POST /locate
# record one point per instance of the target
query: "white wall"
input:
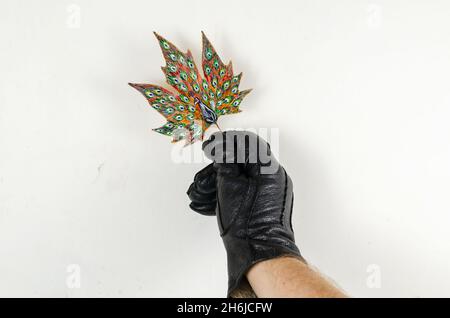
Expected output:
(359, 91)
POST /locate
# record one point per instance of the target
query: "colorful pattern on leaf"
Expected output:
(198, 102)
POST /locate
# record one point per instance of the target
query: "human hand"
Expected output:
(252, 197)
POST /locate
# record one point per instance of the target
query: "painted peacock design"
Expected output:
(199, 101)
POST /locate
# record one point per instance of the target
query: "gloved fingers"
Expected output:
(228, 146)
(204, 209)
(228, 169)
(239, 147)
(205, 179)
(196, 195)
(202, 192)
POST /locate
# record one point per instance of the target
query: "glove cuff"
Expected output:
(245, 254)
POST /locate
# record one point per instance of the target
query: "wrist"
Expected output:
(244, 253)
(289, 276)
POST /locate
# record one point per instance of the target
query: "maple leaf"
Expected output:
(198, 101)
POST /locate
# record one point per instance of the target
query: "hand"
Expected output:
(251, 194)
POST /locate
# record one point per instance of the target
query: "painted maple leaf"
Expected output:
(199, 101)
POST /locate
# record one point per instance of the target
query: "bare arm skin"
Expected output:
(289, 277)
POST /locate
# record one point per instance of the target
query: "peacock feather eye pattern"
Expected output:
(197, 97)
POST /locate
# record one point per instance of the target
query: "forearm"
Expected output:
(289, 277)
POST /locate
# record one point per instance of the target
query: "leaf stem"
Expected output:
(218, 126)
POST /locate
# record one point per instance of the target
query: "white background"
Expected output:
(359, 91)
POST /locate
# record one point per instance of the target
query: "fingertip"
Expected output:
(213, 137)
(209, 146)
(205, 173)
(203, 209)
(191, 187)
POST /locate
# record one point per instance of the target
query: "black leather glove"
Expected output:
(251, 194)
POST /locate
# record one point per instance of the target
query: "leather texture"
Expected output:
(253, 209)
